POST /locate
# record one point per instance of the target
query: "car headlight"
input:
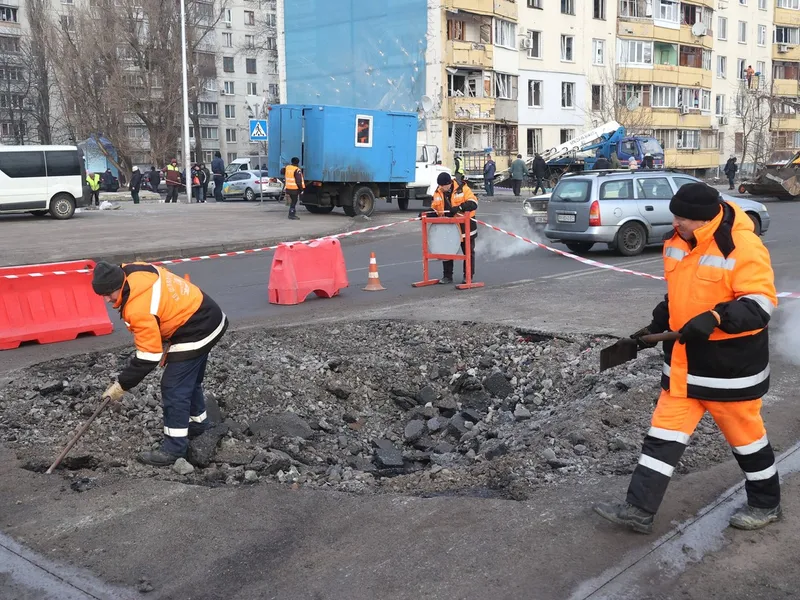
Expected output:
(526, 206)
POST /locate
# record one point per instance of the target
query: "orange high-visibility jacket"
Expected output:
(294, 178)
(728, 270)
(158, 306)
(461, 194)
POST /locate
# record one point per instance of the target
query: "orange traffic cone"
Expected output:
(374, 281)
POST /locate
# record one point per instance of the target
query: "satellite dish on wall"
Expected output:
(426, 104)
(699, 29)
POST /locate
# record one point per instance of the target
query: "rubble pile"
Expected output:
(373, 406)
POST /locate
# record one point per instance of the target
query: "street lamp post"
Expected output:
(185, 70)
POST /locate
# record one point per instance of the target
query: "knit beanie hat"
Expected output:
(107, 278)
(444, 179)
(696, 201)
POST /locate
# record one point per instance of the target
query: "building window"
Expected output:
(793, 4)
(249, 41)
(230, 135)
(230, 111)
(534, 44)
(707, 60)
(208, 109)
(666, 137)
(252, 88)
(227, 64)
(598, 52)
(9, 43)
(599, 9)
(635, 52)
(535, 93)
(11, 74)
(456, 30)
(535, 3)
(232, 156)
(229, 88)
(669, 10)
(568, 7)
(227, 16)
(786, 70)
(567, 48)
(227, 40)
(741, 68)
(722, 66)
(505, 34)
(722, 28)
(719, 105)
(742, 32)
(15, 130)
(567, 135)
(249, 17)
(761, 68)
(534, 141)
(597, 97)
(273, 90)
(567, 94)
(505, 86)
(631, 8)
(67, 22)
(705, 100)
(250, 66)
(209, 133)
(665, 97)
(688, 139)
(8, 13)
(762, 4)
(633, 95)
(689, 98)
(762, 35)
(787, 35)
(691, 56)
(12, 101)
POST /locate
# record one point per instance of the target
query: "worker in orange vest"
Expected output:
(450, 199)
(295, 184)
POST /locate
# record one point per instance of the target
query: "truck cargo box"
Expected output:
(337, 144)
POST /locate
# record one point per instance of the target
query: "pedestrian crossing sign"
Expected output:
(258, 130)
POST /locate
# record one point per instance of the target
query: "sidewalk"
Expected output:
(153, 231)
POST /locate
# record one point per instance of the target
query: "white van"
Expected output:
(41, 179)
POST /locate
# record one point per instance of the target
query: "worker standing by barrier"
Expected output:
(295, 184)
(449, 200)
(159, 307)
(720, 296)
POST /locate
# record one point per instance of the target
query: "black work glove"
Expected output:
(640, 343)
(453, 212)
(699, 328)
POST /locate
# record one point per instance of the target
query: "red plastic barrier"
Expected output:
(300, 269)
(50, 308)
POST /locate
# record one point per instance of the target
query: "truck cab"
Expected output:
(427, 171)
(637, 147)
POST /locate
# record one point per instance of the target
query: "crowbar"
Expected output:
(78, 435)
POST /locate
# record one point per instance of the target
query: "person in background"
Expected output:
(489, 170)
(633, 164)
(136, 184)
(218, 172)
(295, 184)
(154, 178)
(748, 75)
(602, 163)
(615, 162)
(173, 177)
(519, 170)
(647, 162)
(93, 181)
(540, 172)
(197, 183)
(206, 179)
(730, 171)
(459, 170)
(448, 201)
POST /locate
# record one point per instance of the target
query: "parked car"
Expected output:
(626, 210)
(249, 184)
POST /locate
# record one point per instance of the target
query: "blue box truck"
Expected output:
(351, 156)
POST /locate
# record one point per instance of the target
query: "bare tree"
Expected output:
(626, 103)
(754, 107)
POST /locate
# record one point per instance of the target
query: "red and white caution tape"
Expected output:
(227, 254)
(599, 265)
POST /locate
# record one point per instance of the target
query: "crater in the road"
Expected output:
(374, 406)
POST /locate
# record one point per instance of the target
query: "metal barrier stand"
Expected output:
(464, 222)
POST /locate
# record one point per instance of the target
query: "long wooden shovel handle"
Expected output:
(654, 338)
(78, 435)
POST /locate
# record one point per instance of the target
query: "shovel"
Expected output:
(627, 349)
(78, 435)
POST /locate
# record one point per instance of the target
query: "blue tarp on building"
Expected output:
(359, 53)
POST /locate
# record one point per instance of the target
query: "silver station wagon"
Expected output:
(628, 210)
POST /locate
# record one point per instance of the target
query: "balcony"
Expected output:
(786, 87)
(785, 122)
(792, 52)
(469, 54)
(472, 109)
(506, 9)
(666, 75)
(671, 118)
(787, 16)
(692, 159)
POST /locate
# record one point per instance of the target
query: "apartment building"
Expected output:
(237, 66)
(785, 55)
(566, 66)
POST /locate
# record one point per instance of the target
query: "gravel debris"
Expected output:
(365, 407)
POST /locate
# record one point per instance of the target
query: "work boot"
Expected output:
(157, 458)
(749, 517)
(294, 218)
(625, 514)
(446, 280)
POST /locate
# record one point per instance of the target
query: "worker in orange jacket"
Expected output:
(172, 322)
(449, 200)
(720, 296)
(295, 184)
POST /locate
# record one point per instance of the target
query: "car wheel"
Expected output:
(631, 239)
(756, 223)
(62, 206)
(249, 195)
(579, 247)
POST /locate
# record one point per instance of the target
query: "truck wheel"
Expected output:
(363, 203)
(402, 203)
(742, 189)
(318, 210)
(62, 206)
(631, 239)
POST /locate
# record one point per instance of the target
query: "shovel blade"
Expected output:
(618, 353)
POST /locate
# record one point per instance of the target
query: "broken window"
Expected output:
(786, 70)
(567, 135)
(505, 86)
(691, 56)
(567, 47)
(567, 94)
(535, 93)
(456, 30)
(534, 141)
(597, 97)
